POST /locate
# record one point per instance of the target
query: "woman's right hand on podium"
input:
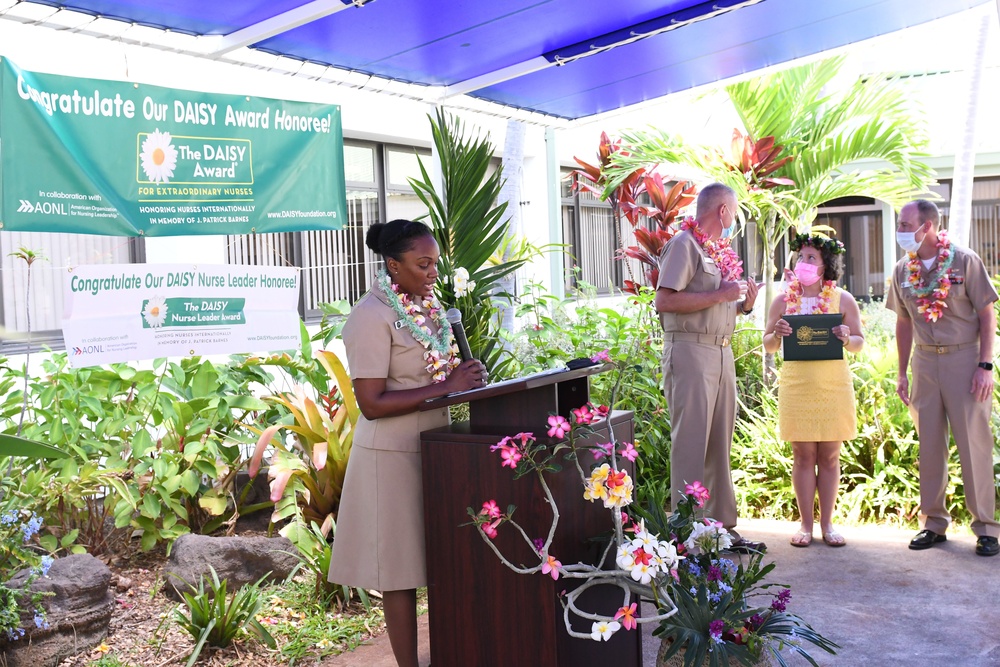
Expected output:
(468, 375)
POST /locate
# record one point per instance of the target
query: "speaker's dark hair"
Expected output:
(392, 239)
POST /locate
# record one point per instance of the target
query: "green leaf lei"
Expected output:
(442, 341)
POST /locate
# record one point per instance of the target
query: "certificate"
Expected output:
(812, 338)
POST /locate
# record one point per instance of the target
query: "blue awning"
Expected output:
(563, 58)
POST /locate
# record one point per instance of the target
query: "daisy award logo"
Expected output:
(158, 157)
(154, 312)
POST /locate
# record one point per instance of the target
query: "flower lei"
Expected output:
(718, 250)
(442, 353)
(793, 297)
(930, 297)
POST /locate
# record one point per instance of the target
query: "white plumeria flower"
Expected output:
(462, 283)
(624, 559)
(708, 539)
(645, 540)
(667, 553)
(642, 573)
(603, 630)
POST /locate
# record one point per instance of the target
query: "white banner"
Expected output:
(126, 312)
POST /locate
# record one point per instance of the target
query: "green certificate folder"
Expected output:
(812, 338)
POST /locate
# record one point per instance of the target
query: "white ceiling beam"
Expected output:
(293, 18)
(540, 62)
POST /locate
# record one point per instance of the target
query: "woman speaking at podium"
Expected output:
(816, 398)
(400, 352)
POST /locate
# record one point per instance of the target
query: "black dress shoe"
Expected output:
(744, 546)
(987, 546)
(925, 539)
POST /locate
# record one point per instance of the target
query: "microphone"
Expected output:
(454, 317)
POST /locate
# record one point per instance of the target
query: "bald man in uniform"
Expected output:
(952, 359)
(698, 305)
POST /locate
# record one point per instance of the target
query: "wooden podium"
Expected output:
(482, 614)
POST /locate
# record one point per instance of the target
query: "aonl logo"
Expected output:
(87, 349)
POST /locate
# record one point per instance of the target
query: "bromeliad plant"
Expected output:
(307, 474)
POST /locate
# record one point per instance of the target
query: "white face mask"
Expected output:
(908, 241)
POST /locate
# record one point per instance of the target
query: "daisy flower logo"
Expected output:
(154, 311)
(158, 157)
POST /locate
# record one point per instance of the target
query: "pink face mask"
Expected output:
(807, 274)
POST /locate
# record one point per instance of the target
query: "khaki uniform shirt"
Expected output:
(685, 267)
(377, 348)
(970, 292)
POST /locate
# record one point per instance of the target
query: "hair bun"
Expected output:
(374, 236)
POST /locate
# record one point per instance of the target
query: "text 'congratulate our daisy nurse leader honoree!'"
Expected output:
(92, 156)
(126, 312)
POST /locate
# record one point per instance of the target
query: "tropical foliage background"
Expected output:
(135, 457)
(804, 142)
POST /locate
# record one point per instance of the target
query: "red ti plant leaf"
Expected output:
(756, 160)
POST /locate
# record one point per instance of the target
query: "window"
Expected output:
(337, 264)
(984, 232)
(592, 243)
(44, 305)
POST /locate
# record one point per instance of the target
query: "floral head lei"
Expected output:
(793, 295)
(442, 353)
(821, 243)
(932, 294)
(718, 250)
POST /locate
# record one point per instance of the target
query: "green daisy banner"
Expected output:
(92, 156)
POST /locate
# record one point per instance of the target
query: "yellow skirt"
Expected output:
(816, 402)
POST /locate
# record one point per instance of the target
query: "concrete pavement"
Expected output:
(884, 604)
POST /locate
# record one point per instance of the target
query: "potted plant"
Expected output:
(707, 609)
(724, 612)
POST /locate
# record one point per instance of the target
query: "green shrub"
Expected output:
(558, 330)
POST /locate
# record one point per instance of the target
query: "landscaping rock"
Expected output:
(78, 612)
(240, 560)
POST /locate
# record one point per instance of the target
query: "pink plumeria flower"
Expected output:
(551, 567)
(491, 509)
(503, 443)
(510, 457)
(525, 438)
(600, 412)
(558, 426)
(629, 452)
(600, 451)
(616, 478)
(601, 356)
(700, 493)
(583, 415)
(491, 529)
(627, 616)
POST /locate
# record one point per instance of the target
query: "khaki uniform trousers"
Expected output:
(940, 398)
(700, 388)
